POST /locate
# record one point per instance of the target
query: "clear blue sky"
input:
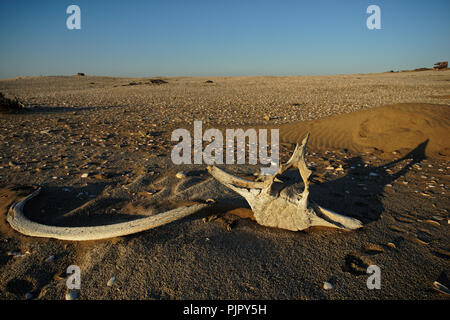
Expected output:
(220, 37)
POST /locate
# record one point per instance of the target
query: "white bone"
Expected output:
(22, 224)
(283, 209)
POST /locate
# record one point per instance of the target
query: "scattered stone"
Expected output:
(17, 254)
(71, 295)
(84, 175)
(392, 245)
(181, 175)
(111, 281)
(327, 286)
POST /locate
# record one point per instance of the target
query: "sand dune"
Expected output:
(388, 128)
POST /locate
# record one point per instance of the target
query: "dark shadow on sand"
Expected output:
(39, 109)
(359, 193)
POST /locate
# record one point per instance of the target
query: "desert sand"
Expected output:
(379, 152)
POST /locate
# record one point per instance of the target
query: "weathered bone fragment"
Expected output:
(22, 224)
(280, 208)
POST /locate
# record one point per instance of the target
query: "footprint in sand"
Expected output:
(356, 265)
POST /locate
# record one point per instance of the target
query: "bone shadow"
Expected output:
(363, 199)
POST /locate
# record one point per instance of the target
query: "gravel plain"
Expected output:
(81, 135)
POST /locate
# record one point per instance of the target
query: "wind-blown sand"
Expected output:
(389, 128)
(387, 166)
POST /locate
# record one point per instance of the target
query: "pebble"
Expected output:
(180, 175)
(327, 286)
(111, 281)
(85, 175)
(71, 295)
(18, 254)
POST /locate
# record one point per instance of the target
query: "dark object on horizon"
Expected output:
(158, 81)
(81, 74)
(422, 69)
(10, 106)
(441, 65)
(209, 81)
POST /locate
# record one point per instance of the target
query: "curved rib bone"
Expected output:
(22, 224)
(285, 210)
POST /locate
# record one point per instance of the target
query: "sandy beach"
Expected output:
(379, 150)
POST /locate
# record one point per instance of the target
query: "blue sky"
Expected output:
(220, 37)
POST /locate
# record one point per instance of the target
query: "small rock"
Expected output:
(18, 254)
(180, 175)
(71, 295)
(327, 286)
(390, 244)
(111, 281)
(85, 175)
